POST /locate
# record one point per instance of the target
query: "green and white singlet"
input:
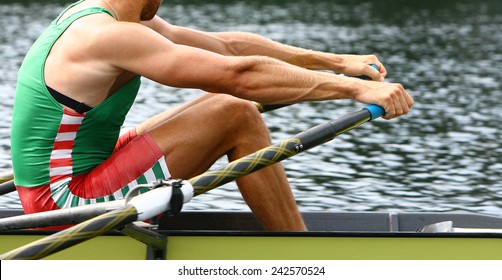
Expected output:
(53, 145)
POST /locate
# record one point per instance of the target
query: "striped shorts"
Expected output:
(109, 181)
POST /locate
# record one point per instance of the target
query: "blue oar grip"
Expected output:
(375, 111)
(364, 77)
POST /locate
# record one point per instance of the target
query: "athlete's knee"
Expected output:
(243, 111)
(245, 123)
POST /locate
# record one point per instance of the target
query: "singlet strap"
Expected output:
(77, 14)
(69, 102)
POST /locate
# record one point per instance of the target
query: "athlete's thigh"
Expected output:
(199, 133)
(162, 117)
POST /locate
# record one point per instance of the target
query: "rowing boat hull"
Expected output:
(238, 246)
(237, 236)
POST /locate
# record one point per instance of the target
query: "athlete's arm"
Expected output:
(257, 78)
(245, 44)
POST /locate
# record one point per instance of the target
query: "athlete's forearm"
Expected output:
(246, 44)
(271, 81)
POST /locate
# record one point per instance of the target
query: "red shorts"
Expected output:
(135, 160)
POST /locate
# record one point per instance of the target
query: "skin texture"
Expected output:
(100, 54)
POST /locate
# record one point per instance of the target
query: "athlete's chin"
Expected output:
(150, 10)
(147, 17)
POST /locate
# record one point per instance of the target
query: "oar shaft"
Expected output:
(6, 182)
(283, 150)
(327, 131)
(7, 187)
(6, 176)
(269, 107)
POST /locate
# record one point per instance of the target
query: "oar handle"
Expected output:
(375, 111)
(364, 77)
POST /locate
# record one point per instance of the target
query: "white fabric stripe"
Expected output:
(58, 171)
(56, 193)
(67, 203)
(57, 189)
(150, 176)
(81, 201)
(132, 184)
(67, 119)
(125, 130)
(118, 194)
(165, 169)
(66, 136)
(58, 154)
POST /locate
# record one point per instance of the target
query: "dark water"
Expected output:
(444, 156)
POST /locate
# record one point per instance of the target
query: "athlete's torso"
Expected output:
(49, 139)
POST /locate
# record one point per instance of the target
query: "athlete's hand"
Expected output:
(392, 97)
(360, 65)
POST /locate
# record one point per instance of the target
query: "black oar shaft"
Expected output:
(74, 235)
(326, 132)
(269, 107)
(244, 166)
(7, 187)
(6, 182)
(6, 176)
(276, 153)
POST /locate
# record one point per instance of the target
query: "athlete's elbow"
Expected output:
(245, 81)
